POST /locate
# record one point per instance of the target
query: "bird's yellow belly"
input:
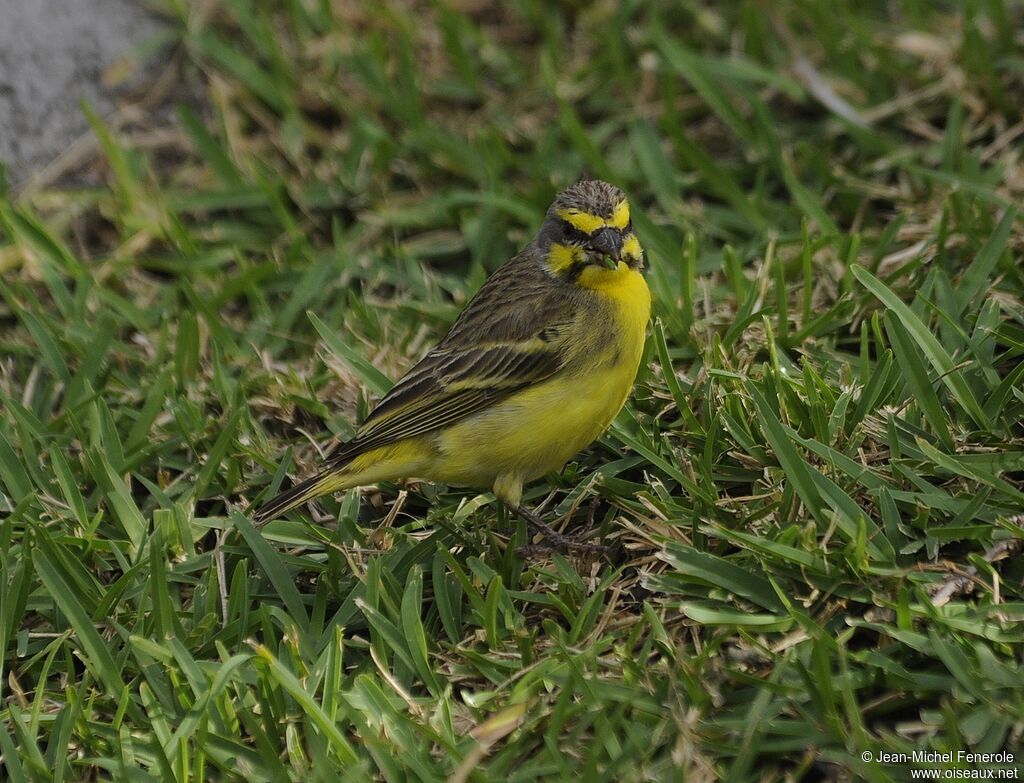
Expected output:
(538, 429)
(531, 433)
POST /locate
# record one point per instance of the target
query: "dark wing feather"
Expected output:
(507, 338)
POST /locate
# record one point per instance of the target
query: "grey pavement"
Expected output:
(53, 54)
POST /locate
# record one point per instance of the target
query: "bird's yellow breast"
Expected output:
(538, 429)
(626, 291)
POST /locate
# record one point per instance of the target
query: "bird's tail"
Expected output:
(313, 487)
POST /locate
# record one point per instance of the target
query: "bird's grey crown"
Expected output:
(591, 196)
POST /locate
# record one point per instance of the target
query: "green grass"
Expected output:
(824, 446)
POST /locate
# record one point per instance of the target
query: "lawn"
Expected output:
(813, 503)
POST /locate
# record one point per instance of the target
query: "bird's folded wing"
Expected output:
(450, 384)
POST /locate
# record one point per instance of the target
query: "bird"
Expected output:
(534, 369)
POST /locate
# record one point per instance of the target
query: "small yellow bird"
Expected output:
(534, 369)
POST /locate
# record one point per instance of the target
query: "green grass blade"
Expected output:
(929, 345)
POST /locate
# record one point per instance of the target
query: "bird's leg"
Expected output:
(552, 538)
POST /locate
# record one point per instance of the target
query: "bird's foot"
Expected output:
(553, 540)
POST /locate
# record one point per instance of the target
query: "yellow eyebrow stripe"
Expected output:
(620, 215)
(584, 221)
(588, 223)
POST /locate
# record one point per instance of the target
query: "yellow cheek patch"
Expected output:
(631, 248)
(588, 223)
(561, 257)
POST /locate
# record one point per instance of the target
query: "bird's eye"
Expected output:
(571, 233)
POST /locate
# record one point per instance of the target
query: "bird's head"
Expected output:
(588, 225)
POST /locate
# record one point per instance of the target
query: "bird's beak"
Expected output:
(608, 241)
